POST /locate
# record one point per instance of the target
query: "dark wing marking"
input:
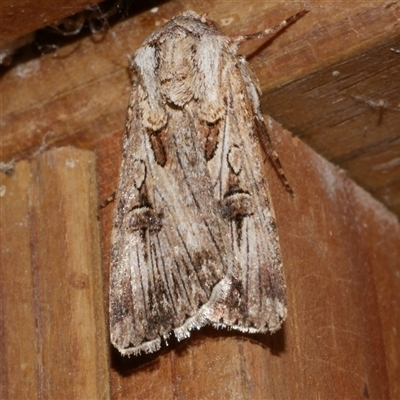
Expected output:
(256, 302)
(171, 246)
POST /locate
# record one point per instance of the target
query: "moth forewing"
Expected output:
(194, 239)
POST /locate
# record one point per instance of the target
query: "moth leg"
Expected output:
(269, 149)
(108, 200)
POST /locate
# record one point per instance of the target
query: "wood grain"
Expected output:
(333, 79)
(53, 319)
(19, 347)
(350, 114)
(20, 17)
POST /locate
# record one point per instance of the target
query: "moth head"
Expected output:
(178, 68)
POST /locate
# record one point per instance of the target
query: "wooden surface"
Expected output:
(19, 347)
(341, 251)
(53, 332)
(20, 17)
(350, 114)
(332, 78)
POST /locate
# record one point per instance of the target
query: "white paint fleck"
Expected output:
(335, 73)
(27, 69)
(7, 167)
(2, 190)
(154, 10)
(226, 21)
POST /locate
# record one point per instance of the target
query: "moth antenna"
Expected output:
(270, 31)
(271, 153)
(279, 169)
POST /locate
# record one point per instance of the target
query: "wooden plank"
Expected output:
(79, 94)
(18, 344)
(350, 114)
(66, 240)
(386, 278)
(340, 250)
(61, 320)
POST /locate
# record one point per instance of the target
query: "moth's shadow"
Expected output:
(125, 366)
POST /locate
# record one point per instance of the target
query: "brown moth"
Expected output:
(194, 239)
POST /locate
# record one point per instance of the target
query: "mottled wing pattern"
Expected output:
(194, 238)
(256, 301)
(170, 244)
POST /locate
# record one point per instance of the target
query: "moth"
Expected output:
(194, 238)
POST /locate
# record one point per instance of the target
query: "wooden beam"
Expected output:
(332, 77)
(349, 112)
(19, 346)
(53, 338)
